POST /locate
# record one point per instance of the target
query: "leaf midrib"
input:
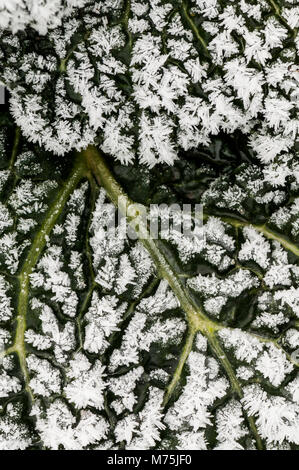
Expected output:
(30, 262)
(197, 320)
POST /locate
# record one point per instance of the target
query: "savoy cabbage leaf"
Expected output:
(111, 339)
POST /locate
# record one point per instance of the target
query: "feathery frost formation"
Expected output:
(113, 342)
(145, 79)
(41, 15)
(103, 336)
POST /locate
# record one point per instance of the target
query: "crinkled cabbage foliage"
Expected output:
(110, 341)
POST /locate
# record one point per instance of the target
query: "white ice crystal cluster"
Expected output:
(95, 359)
(249, 185)
(102, 318)
(261, 263)
(114, 269)
(277, 417)
(190, 414)
(52, 335)
(41, 15)
(216, 292)
(230, 426)
(191, 237)
(13, 435)
(148, 326)
(26, 203)
(146, 425)
(86, 383)
(123, 388)
(148, 80)
(6, 310)
(8, 385)
(287, 216)
(67, 366)
(101, 350)
(76, 205)
(269, 360)
(51, 276)
(58, 428)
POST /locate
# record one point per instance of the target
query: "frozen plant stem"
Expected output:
(263, 229)
(15, 148)
(280, 18)
(197, 320)
(176, 376)
(31, 260)
(186, 15)
(88, 162)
